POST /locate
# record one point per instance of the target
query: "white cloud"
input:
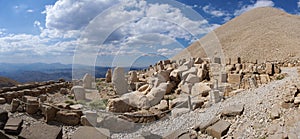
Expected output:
(259, 3)
(74, 14)
(217, 13)
(298, 4)
(134, 27)
(29, 11)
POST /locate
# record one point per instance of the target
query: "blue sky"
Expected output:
(112, 32)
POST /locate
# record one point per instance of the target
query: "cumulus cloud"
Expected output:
(126, 27)
(217, 13)
(259, 3)
(74, 14)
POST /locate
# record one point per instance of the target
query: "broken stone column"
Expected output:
(87, 81)
(108, 76)
(119, 81)
(32, 105)
(79, 92)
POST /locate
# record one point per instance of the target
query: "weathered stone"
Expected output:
(186, 88)
(43, 98)
(79, 92)
(2, 100)
(85, 132)
(13, 126)
(157, 94)
(202, 74)
(148, 135)
(49, 113)
(275, 113)
(87, 81)
(163, 105)
(3, 118)
(108, 76)
(115, 124)
(175, 134)
(119, 105)
(143, 88)
(191, 78)
(133, 77)
(235, 80)
(14, 105)
(232, 110)
(297, 100)
(264, 78)
(64, 91)
(201, 89)
(76, 107)
(202, 127)
(41, 131)
(179, 111)
(91, 117)
(32, 106)
(185, 74)
(68, 118)
(219, 129)
(119, 81)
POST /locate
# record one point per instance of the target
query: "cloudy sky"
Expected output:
(112, 31)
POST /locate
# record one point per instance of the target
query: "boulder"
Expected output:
(269, 68)
(14, 105)
(115, 124)
(108, 76)
(119, 81)
(13, 126)
(32, 105)
(234, 80)
(201, 89)
(191, 78)
(41, 131)
(179, 111)
(186, 88)
(119, 105)
(219, 129)
(85, 132)
(192, 70)
(68, 118)
(232, 110)
(275, 112)
(157, 94)
(163, 105)
(49, 113)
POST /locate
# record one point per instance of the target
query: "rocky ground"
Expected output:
(257, 120)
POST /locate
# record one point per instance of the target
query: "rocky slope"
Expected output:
(6, 82)
(263, 34)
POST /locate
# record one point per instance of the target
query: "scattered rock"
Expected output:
(3, 118)
(115, 124)
(232, 110)
(13, 126)
(86, 132)
(2, 100)
(219, 129)
(68, 118)
(179, 111)
(41, 131)
(119, 81)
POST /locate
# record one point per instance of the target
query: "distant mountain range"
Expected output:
(38, 72)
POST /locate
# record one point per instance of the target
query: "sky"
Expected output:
(113, 32)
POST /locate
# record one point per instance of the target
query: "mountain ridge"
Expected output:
(260, 34)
